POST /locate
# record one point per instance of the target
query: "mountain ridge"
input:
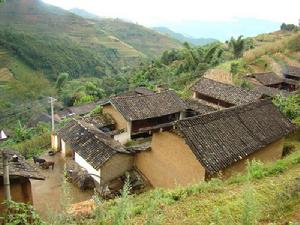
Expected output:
(184, 38)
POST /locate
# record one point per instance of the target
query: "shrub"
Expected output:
(20, 213)
(288, 105)
(294, 43)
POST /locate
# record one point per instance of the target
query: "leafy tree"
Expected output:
(61, 80)
(288, 27)
(237, 46)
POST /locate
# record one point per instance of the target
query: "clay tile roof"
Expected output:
(267, 78)
(199, 107)
(268, 91)
(222, 138)
(291, 70)
(93, 145)
(21, 168)
(225, 92)
(148, 106)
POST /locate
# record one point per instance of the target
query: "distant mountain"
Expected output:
(54, 40)
(224, 30)
(84, 14)
(184, 38)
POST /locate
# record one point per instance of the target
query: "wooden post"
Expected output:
(6, 177)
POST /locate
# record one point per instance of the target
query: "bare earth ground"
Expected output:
(49, 194)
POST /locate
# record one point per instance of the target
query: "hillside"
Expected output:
(183, 38)
(92, 47)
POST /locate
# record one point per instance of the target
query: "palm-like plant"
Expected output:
(238, 46)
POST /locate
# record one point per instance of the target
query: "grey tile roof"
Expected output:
(148, 106)
(267, 78)
(291, 70)
(268, 91)
(199, 107)
(222, 138)
(21, 168)
(93, 145)
(225, 92)
(82, 109)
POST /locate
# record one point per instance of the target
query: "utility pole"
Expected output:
(52, 100)
(6, 177)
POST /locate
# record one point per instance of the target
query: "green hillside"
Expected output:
(60, 41)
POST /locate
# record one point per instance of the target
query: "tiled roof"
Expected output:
(99, 121)
(136, 92)
(93, 145)
(225, 92)
(222, 138)
(291, 70)
(20, 167)
(268, 91)
(148, 106)
(82, 109)
(267, 78)
(199, 107)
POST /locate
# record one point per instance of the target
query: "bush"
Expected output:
(289, 106)
(20, 214)
(34, 146)
(294, 43)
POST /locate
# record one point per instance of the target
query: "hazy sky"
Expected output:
(159, 12)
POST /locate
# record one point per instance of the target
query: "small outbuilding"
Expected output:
(221, 94)
(20, 173)
(104, 158)
(291, 72)
(220, 142)
(272, 80)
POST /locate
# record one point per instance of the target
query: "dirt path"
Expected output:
(48, 194)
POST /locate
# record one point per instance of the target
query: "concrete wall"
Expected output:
(121, 123)
(66, 149)
(116, 166)
(170, 162)
(20, 189)
(83, 163)
(270, 153)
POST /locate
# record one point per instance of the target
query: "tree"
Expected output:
(61, 80)
(288, 27)
(238, 46)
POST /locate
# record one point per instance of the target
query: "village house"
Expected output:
(291, 72)
(104, 158)
(221, 95)
(135, 114)
(272, 80)
(268, 91)
(20, 173)
(202, 147)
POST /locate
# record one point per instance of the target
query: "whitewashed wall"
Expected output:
(83, 163)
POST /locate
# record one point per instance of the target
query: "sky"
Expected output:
(198, 18)
(156, 12)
